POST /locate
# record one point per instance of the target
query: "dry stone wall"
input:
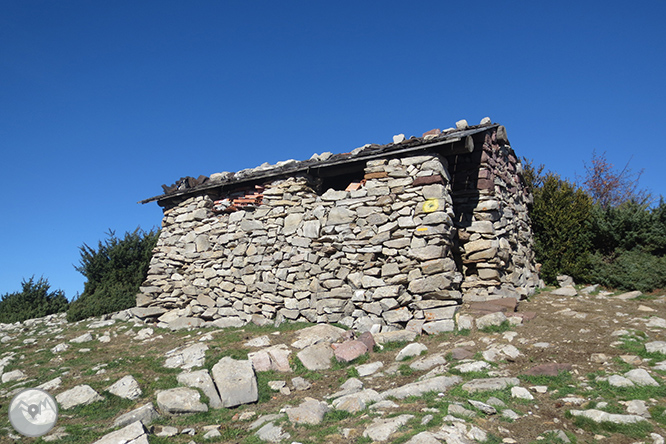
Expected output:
(414, 239)
(382, 254)
(494, 232)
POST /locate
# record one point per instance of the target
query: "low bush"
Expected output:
(114, 272)
(35, 300)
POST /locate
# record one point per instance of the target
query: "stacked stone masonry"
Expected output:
(417, 235)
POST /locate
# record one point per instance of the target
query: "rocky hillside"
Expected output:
(565, 366)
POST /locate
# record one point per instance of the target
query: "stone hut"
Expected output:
(380, 236)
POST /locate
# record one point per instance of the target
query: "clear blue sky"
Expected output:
(102, 102)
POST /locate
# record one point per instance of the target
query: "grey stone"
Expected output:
(475, 366)
(272, 433)
(126, 387)
(629, 295)
(369, 369)
(433, 328)
(310, 411)
(14, 375)
(79, 395)
(485, 408)
(316, 357)
(521, 393)
(423, 438)
(86, 337)
(418, 388)
(180, 400)
(565, 291)
(146, 414)
(601, 416)
(201, 379)
(316, 334)
(489, 320)
(656, 347)
(188, 357)
(428, 362)
(488, 384)
(382, 429)
(457, 409)
(641, 377)
(134, 433)
(235, 381)
(394, 336)
(411, 350)
(184, 322)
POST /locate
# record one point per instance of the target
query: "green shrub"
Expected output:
(114, 272)
(629, 244)
(630, 270)
(561, 215)
(33, 301)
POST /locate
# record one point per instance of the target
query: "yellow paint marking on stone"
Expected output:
(430, 205)
(422, 229)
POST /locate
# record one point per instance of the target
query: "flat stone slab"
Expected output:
(629, 295)
(382, 429)
(640, 376)
(317, 334)
(188, 357)
(272, 433)
(395, 336)
(201, 379)
(235, 381)
(568, 290)
(490, 320)
(134, 433)
(79, 395)
(656, 347)
(486, 384)
(316, 357)
(350, 350)
(126, 387)
(601, 416)
(310, 411)
(436, 384)
(146, 414)
(271, 358)
(411, 350)
(180, 400)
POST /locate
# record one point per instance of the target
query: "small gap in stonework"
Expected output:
(347, 181)
(247, 197)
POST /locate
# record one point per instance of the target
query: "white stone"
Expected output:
(411, 350)
(235, 381)
(521, 393)
(126, 387)
(180, 400)
(79, 395)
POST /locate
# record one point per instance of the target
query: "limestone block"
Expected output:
(235, 381)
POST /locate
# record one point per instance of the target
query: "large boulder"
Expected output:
(235, 381)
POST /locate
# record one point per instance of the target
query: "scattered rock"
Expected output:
(126, 387)
(202, 380)
(310, 411)
(134, 433)
(79, 395)
(180, 400)
(235, 381)
(382, 429)
(146, 414)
